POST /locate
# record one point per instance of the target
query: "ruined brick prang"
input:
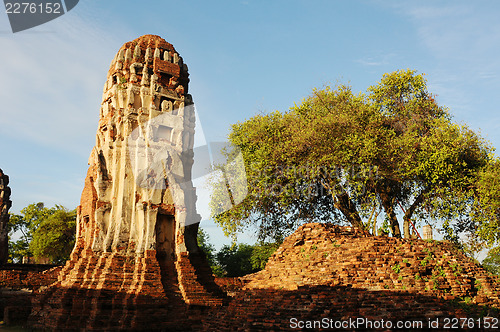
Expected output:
(326, 254)
(323, 271)
(5, 204)
(136, 263)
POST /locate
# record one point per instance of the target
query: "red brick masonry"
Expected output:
(336, 273)
(320, 272)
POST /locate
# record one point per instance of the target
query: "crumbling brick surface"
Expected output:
(275, 310)
(325, 254)
(331, 274)
(366, 277)
(231, 285)
(197, 282)
(17, 283)
(110, 292)
(28, 276)
(15, 306)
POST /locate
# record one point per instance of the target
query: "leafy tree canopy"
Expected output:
(235, 260)
(352, 158)
(492, 261)
(487, 203)
(261, 253)
(54, 238)
(44, 232)
(208, 248)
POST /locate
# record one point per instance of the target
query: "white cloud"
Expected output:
(51, 84)
(463, 42)
(468, 33)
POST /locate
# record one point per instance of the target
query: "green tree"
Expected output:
(17, 250)
(24, 225)
(492, 261)
(205, 245)
(486, 208)
(235, 260)
(54, 238)
(351, 158)
(261, 253)
(210, 252)
(42, 231)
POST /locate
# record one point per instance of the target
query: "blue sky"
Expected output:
(244, 58)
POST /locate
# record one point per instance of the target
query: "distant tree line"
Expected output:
(236, 260)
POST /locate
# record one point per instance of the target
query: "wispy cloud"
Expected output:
(426, 12)
(376, 60)
(458, 44)
(50, 87)
(460, 33)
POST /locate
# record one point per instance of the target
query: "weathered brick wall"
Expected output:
(324, 254)
(231, 285)
(336, 273)
(15, 306)
(320, 272)
(196, 281)
(110, 291)
(113, 291)
(30, 277)
(273, 309)
(17, 283)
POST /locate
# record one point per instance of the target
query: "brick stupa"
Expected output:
(136, 263)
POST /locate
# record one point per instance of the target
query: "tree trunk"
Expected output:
(348, 209)
(396, 232)
(410, 211)
(343, 202)
(388, 205)
(406, 228)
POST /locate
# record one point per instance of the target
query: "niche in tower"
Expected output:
(165, 245)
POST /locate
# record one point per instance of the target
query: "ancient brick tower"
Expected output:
(136, 263)
(5, 205)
